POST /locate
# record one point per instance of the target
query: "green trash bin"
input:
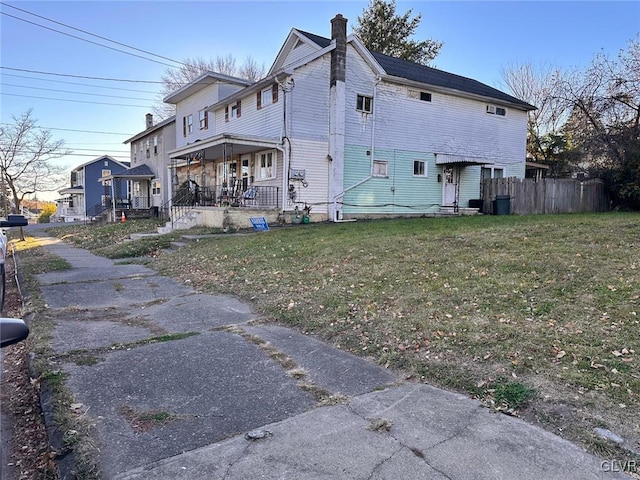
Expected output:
(502, 205)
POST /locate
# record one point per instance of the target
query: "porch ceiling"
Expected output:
(71, 190)
(215, 147)
(447, 159)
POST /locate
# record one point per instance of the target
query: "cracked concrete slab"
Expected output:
(335, 442)
(116, 292)
(214, 384)
(78, 275)
(327, 367)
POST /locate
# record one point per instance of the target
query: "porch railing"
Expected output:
(238, 196)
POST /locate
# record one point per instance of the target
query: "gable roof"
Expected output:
(204, 80)
(103, 157)
(152, 129)
(404, 69)
(142, 170)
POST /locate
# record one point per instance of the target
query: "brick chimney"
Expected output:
(338, 54)
(149, 118)
(337, 101)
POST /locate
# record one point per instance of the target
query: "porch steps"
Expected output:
(187, 221)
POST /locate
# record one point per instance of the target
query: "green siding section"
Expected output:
(400, 192)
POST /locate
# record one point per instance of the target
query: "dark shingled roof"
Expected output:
(139, 171)
(398, 67)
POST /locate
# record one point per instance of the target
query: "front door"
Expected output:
(449, 185)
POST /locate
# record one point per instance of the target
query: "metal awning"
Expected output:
(448, 159)
(71, 190)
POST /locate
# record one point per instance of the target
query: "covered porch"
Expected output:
(228, 171)
(452, 168)
(136, 202)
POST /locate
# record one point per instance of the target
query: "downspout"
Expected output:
(286, 87)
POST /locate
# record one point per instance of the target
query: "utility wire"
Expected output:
(93, 34)
(76, 83)
(81, 76)
(81, 131)
(88, 41)
(78, 93)
(75, 101)
(80, 149)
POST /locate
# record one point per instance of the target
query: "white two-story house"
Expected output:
(348, 133)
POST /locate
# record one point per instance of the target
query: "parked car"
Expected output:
(12, 221)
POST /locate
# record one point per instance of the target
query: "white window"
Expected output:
(418, 95)
(234, 111)
(491, 172)
(493, 110)
(419, 168)
(106, 173)
(265, 166)
(106, 163)
(380, 168)
(267, 97)
(155, 187)
(187, 125)
(147, 145)
(155, 145)
(364, 104)
(203, 118)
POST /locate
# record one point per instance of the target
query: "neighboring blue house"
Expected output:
(90, 193)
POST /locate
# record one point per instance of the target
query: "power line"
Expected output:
(76, 83)
(81, 149)
(75, 101)
(78, 93)
(85, 40)
(82, 76)
(80, 131)
(93, 34)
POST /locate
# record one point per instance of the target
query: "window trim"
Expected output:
(155, 145)
(361, 103)
(203, 119)
(424, 169)
(258, 165)
(386, 168)
(496, 110)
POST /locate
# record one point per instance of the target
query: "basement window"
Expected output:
(364, 104)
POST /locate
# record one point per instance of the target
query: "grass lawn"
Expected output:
(536, 315)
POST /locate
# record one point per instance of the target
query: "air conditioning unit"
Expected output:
(491, 109)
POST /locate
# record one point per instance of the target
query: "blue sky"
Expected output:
(480, 39)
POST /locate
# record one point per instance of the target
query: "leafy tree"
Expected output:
(382, 30)
(48, 210)
(175, 78)
(26, 154)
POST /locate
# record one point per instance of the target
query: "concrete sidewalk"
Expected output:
(174, 380)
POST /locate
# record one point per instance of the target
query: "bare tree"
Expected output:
(26, 154)
(537, 85)
(175, 78)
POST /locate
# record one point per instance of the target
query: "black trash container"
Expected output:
(502, 205)
(153, 212)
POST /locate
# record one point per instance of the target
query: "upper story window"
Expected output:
(418, 95)
(266, 166)
(380, 168)
(147, 146)
(232, 111)
(106, 173)
(155, 144)
(203, 118)
(364, 104)
(267, 96)
(493, 110)
(155, 187)
(187, 125)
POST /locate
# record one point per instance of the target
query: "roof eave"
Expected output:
(158, 126)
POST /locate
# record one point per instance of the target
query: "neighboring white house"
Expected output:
(348, 133)
(148, 177)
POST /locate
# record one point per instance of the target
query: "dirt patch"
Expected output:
(30, 452)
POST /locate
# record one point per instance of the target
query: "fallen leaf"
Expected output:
(561, 354)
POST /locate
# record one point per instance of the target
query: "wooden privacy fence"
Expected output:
(549, 195)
